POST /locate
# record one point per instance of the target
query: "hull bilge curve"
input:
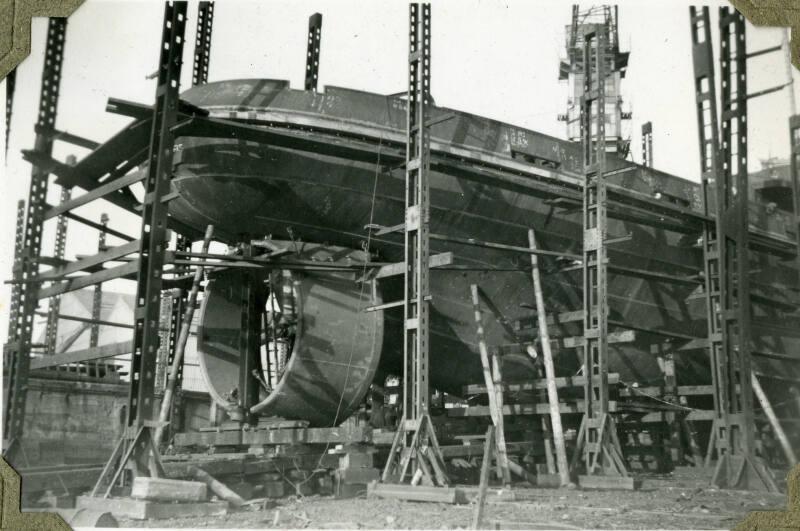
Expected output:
(250, 189)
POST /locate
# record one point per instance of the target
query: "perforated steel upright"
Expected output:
(312, 53)
(19, 340)
(417, 245)
(601, 448)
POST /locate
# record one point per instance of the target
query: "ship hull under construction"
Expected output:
(490, 182)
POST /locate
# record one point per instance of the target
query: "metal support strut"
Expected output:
(647, 144)
(18, 347)
(11, 81)
(598, 438)
(415, 442)
(312, 54)
(54, 306)
(138, 444)
(202, 43)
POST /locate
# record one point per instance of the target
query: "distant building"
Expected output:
(116, 307)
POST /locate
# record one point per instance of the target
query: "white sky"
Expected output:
(491, 58)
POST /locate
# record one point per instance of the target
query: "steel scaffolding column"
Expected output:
(202, 43)
(54, 305)
(737, 464)
(312, 55)
(97, 298)
(598, 438)
(19, 340)
(416, 440)
(647, 144)
(708, 137)
(794, 139)
(11, 82)
(137, 444)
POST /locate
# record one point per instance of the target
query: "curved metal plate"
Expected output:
(335, 356)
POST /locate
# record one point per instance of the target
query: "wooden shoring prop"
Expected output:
(549, 367)
(494, 386)
(180, 348)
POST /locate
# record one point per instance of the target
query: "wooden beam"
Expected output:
(477, 517)
(503, 247)
(550, 372)
(773, 421)
(522, 409)
(625, 336)
(539, 384)
(436, 260)
(96, 353)
(419, 493)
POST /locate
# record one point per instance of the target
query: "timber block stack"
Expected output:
(156, 498)
(268, 485)
(356, 470)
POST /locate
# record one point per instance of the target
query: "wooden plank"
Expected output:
(522, 409)
(419, 493)
(682, 390)
(541, 384)
(477, 517)
(552, 320)
(145, 509)
(476, 449)
(503, 247)
(550, 372)
(271, 437)
(163, 489)
(95, 353)
(436, 260)
(625, 336)
(492, 382)
(218, 488)
(91, 261)
(777, 429)
(100, 191)
(74, 284)
(607, 482)
(385, 306)
(696, 414)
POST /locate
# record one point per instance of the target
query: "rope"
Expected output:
(355, 326)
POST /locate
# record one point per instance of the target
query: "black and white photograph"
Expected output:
(398, 265)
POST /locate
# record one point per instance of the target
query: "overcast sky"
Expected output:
(496, 59)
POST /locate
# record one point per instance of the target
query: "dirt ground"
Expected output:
(663, 503)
